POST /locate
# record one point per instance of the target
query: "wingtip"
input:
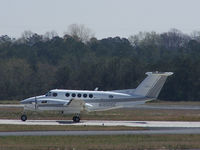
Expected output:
(159, 73)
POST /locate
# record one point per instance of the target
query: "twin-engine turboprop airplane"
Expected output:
(76, 101)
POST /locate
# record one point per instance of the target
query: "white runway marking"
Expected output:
(173, 124)
(11, 105)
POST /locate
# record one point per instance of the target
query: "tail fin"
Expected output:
(152, 84)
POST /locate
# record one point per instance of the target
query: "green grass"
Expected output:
(179, 103)
(10, 128)
(118, 114)
(9, 102)
(119, 142)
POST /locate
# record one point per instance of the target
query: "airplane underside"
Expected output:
(92, 106)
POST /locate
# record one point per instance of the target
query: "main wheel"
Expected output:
(23, 117)
(76, 119)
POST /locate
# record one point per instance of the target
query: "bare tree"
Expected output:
(174, 39)
(29, 38)
(80, 32)
(49, 35)
(196, 35)
(144, 38)
(26, 36)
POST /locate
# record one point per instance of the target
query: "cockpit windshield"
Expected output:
(48, 94)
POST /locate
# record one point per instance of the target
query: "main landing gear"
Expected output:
(23, 117)
(76, 118)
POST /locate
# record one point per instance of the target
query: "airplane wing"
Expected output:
(76, 106)
(75, 103)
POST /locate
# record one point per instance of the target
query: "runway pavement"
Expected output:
(149, 124)
(151, 127)
(82, 133)
(11, 105)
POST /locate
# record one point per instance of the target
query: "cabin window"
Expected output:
(79, 95)
(90, 95)
(110, 96)
(44, 102)
(54, 94)
(73, 95)
(84, 95)
(67, 94)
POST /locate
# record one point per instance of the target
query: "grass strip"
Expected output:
(11, 128)
(9, 102)
(110, 142)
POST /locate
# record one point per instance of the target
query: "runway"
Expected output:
(147, 124)
(11, 106)
(90, 133)
(151, 127)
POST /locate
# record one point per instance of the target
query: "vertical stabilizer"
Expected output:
(152, 84)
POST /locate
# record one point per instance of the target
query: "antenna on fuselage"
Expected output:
(96, 89)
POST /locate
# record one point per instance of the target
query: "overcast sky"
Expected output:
(105, 17)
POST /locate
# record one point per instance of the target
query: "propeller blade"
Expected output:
(35, 103)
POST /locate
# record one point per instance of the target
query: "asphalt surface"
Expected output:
(152, 127)
(11, 105)
(82, 133)
(147, 124)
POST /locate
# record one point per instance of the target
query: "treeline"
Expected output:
(33, 64)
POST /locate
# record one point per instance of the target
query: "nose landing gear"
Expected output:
(76, 118)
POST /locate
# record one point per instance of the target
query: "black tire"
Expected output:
(76, 119)
(23, 117)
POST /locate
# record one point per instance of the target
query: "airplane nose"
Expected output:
(27, 101)
(23, 101)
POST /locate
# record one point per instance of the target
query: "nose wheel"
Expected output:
(76, 119)
(23, 117)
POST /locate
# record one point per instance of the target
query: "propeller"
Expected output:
(35, 103)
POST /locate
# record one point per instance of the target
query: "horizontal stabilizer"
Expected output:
(125, 91)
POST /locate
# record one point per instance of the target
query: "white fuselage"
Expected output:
(94, 100)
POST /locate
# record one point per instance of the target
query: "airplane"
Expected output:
(77, 101)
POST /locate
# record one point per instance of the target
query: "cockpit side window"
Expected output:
(48, 94)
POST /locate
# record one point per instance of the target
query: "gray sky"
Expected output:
(105, 17)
